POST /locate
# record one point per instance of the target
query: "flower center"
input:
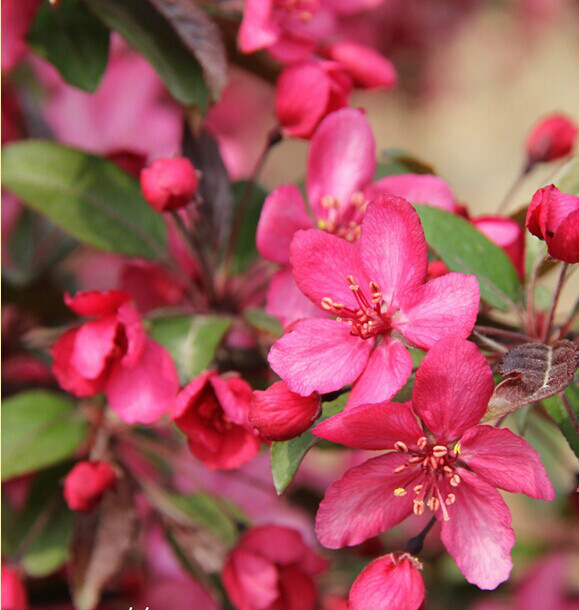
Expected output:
(302, 10)
(212, 415)
(343, 221)
(437, 464)
(372, 316)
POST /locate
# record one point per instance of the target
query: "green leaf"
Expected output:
(558, 412)
(152, 36)
(69, 36)
(286, 456)
(245, 247)
(535, 253)
(262, 321)
(39, 428)
(465, 249)
(192, 340)
(90, 198)
(567, 180)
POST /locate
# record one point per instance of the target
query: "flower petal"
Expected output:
(284, 212)
(362, 503)
(298, 589)
(321, 264)
(443, 307)
(341, 159)
(416, 188)
(93, 346)
(453, 386)
(144, 392)
(92, 303)
(506, 461)
(393, 247)
(373, 427)
(478, 534)
(388, 369)
(319, 356)
(564, 245)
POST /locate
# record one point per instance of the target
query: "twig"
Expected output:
(501, 332)
(513, 189)
(560, 282)
(570, 413)
(415, 544)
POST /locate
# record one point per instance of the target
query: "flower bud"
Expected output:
(86, 484)
(368, 68)
(169, 184)
(554, 217)
(392, 582)
(551, 139)
(306, 93)
(279, 414)
(13, 591)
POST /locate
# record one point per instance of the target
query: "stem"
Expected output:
(560, 283)
(513, 189)
(415, 544)
(273, 138)
(570, 413)
(501, 332)
(531, 289)
(497, 347)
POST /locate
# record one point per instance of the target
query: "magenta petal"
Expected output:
(362, 503)
(388, 583)
(144, 392)
(321, 264)
(319, 356)
(253, 581)
(92, 303)
(93, 345)
(443, 307)
(388, 369)
(452, 389)
(258, 30)
(416, 188)
(393, 247)
(341, 158)
(564, 245)
(372, 427)
(478, 534)
(506, 461)
(284, 213)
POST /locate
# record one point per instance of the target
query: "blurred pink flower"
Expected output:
(506, 233)
(169, 184)
(86, 483)
(17, 17)
(13, 592)
(551, 139)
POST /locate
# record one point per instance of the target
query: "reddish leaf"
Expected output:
(100, 543)
(532, 372)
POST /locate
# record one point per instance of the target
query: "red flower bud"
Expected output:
(308, 92)
(554, 217)
(169, 184)
(551, 139)
(13, 591)
(86, 484)
(392, 582)
(279, 414)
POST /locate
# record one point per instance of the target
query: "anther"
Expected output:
(327, 304)
(415, 459)
(433, 462)
(399, 469)
(439, 451)
(448, 469)
(401, 447)
(399, 492)
(433, 504)
(418, 489)
(455, 480)
(456, 449)
(418, 508)
(422, 442)
(450, 499)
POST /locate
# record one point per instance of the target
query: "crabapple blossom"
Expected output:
(212, 411)
(553, 216)
(392, 582)
(169, 184)
(86, 483)
(439, 459)
(272, 568)
(13, 592)
(279, 414)
(377, 290)
(551, 139)
(113, 354)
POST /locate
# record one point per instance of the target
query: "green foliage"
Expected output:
(567, 180)
(88, 197)
(264, 322)
(245, 247)
(558, 411)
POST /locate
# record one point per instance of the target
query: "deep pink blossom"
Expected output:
(169, 184)
(392, 582)
(506, 233)
(272, 568)
(439, 459)
(279, 414)
(554, 217)
(17, 17)
(86, 483)
(113, 354)
(212, 411)
(13, 592)
(327, 90)
(551, 139)
(378, 292)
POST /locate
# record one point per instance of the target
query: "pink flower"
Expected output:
(506, 233)
(554, 217)
(551, 139)
(86, 483)
(378, 292)
(212, 411)
(169, 184)
(368, 68)
(13, 592)
(17, 17)
(327, 86)
(272, 568)
(442, 461)
(114, 355)
(392, 582)
(279, 414)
